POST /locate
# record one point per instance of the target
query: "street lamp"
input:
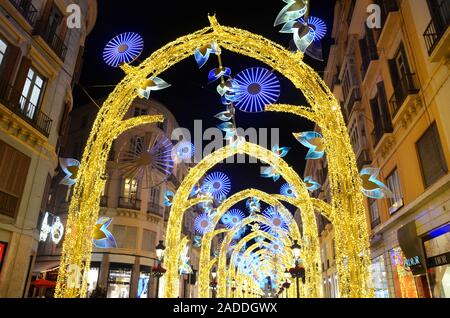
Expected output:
(158, 271)
(213, 283)
(296, 250)
(286, 284)
(233, 287)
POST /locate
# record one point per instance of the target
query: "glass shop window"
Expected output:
(405, 286)
(119, 282)
(144, 284)
(379, 277)
(3, 47)
(393, 183)
(374, 213)
(31, 93)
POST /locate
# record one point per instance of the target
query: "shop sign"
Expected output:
(56, 230)
(437, 246)
(3, 246)
(413, 261)
(411, 246)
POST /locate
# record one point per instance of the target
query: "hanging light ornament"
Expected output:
(218, 72)
(217, 184)
(102, 237)
(232, 218)
(371, 186)
(168, 198)
(287, 190)
(70, 167)
(183, 151)
(203, 224)
(256, 88)
(147, 158)
(276, 222)
(293, 10)
(270, 172)
(151, 84)
(280, 152)
(310, 184)
(202, 54)
(312, 140)
(253, 205)
(124, 48)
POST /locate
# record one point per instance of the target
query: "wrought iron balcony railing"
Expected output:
(19, 104)
(27, 9)
(353, 96)
(383, 126)
(156, 209)
(129, 203)
(54, 41)
(440, 21)
(406, 86)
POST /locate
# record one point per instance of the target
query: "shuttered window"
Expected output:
(148, 240)
(14, 167)
(431, 156)
(125, 236)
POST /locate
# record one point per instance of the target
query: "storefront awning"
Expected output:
(45, 266)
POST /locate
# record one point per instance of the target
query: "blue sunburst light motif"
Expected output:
(203, 224)
(276, 221)
(287, 190)
(124, 48)
(232, 218)
(256, 87)
(319, 27)
(217, 184)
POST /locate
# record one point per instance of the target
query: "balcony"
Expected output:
(20, 105)
(8, 204)
(353, 97)
(155, 209)
(407, 86)
(27, 9)
(436, 29)
(53, 41)
(387, 6)
(383, 126)
(129, 203)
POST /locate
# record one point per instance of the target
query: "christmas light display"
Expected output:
(217, 184)
(256, 87)
(70, 167)
(347, 210)
(124, 48)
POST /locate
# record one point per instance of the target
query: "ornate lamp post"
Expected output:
(158, 271)
(213, 283)
(286, 284)
(298, 271)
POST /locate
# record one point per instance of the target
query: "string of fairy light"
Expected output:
(345, 210)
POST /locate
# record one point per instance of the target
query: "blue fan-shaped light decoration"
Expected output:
(203, 224)
(256, 88)
(217, 184)
(232, 218)
(319, 27)
(276, 247)
(183, 151)
(276, 221)
(124, 48)
(371, 186)
(287, 190)
(239, 234)
(147, 159)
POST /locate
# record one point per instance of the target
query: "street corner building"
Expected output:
(40, 61)
(393, 85)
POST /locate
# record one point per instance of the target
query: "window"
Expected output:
(374, 213)
(379, 277)
(119, 281)
(393, 183)
(3, 48)
(139, 111)
(431, 156)
(148, 240)
(154, 195)
(130, 188)
(125, 236)
(31, 93)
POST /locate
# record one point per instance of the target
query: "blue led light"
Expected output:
(124, 48)
(287, 190)
(276, 221)
(319, 27)
(203, 223)
(256, 87)
(232, 218)
(217, 184)
(184, 150)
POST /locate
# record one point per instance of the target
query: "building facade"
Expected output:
(40, 60)
(389, 68)
(135, 205)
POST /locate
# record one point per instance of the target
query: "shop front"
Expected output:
(436, 244)
(379, 277)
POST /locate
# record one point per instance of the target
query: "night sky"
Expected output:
(190, 97)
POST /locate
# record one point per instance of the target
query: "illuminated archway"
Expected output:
(351, 233)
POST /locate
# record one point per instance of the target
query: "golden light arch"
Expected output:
(351, 232)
